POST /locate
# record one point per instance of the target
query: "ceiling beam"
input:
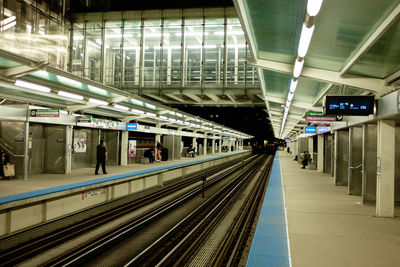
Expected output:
(231, 97)
(23, 69)
(322, 93)
(298, 104)
(118, 99)
(213, 97)
(159, 98)
(194, 97)
(75, 108)
(374, 85)
(176, 98)
(372, 39)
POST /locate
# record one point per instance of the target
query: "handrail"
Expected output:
(356, 167)
(4, 145)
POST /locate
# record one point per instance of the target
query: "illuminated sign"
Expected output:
(131, 126)
(349, 105)
(310, 129)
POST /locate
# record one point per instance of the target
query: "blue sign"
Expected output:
(322, 129)
(225, 137)
(131, 126)
(310, 129)
(288, 139)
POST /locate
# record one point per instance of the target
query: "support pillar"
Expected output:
(219, 145)
(158, 139)
(194, 145)
(68, 149)
(26, 150)
(205, 146)
(320, 161)
(213, 146)
(124, 148)
(385, 173)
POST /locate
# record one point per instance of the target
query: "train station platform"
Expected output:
(329, 227)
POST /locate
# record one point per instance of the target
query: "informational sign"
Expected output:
(84, 121)
(349, 105)
(323, 129)
(225, 137)
(316, 113)
(104, 124)
(310, 129)
(121, 126)
(45, 113)
(132, 149)
(288, 139)
(320, 118)
(131, 126)
(80, 141)
(321, 124)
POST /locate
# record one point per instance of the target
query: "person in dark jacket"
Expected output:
(102, 156)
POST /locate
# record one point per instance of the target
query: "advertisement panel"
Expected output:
(132, 149)
(80, 141)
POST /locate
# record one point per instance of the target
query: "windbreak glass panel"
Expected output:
(131, 54)
(172, 53)
(112, 55)
(213, 72)
(93, 51)
(193, 52)
(151, 44)
(236, 53)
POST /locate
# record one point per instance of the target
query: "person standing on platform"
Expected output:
(4, 161)
(102, 156)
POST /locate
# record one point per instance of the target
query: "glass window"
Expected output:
(151, 44)
(236, 52)
(112, 53)
(214, 53)
(131, 54)
(171, 56)
(93, 51)
(193, 52)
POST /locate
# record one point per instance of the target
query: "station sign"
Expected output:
(84, 121)
(288, 139)
(312, 113)
(320, 118)
(131, 126)
(225, 137)
(321, 124)
(310, 129)
(43, 113)
(323, 129)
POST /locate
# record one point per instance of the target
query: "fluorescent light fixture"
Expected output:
(8, 26)
(187, 123)
(96, 89)
(121, 107)
(97, 101)
(171, 119)
(313, 7)
(150, 106)
(171, 113)
(298, 66)
(163, 118)
(68, 80)
(290, 97)
(150, 114)
(305, 39)
(32, 86)
(293, 85)
(178, 114)
(70, 95)
(179, 121)
(63, 112)
(137, 111)
(137, 102)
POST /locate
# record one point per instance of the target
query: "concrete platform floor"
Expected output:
(328, 227)
(47, 180)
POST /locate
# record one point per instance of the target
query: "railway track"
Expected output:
(13, 255)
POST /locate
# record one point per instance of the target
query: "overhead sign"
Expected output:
(310, 129)
(323, 129)
(84, 120)
(316, 113)
(349, 105)
(288, 139)
(322, 123)
(131, 126)
(45, 113)
(321, 118)
(225, 137)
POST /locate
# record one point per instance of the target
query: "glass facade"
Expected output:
(132, 50)
(35, 30)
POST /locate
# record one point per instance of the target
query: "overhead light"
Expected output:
(150, 114)
(150, 106)
(137, 111)
(32, 86)
(305, 39)
(290, 97)
(97, 101)
(137, 102)
(68, 80)
(171, 119)
(298, 66)
(7, 20)
(121, 107)
(70, 95)
(8, 26)
(96, 89)
(313, 7)
(293, 85)
(178, 114)
(163, 118)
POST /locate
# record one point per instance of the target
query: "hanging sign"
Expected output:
(131, 126)
(310, 129)
(45, 113)
(320, 118)
(84, 120)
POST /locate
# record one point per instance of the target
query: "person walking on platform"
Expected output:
(102, 156)
(4, 161)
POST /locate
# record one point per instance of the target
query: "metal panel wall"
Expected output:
(112, 143)
(177, 147)
(54, 149)
(328, 151)
(36, 155)
(83, 160)
(12, 133)
(397, 168)
(302, 144)
(355, 160)
(369, 164)
(173, 143)
(342, 157)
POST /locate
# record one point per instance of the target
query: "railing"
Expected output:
(8, 148)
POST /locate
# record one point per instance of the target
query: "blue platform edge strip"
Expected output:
(52, 190)
(270, 247)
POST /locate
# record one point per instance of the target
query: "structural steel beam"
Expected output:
(374, 85)
(176, 98)
(373, 38)
(194, 97)
(213, 97)
(322, 93)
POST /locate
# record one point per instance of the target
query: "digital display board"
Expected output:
(349, 105)
(310, 129)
